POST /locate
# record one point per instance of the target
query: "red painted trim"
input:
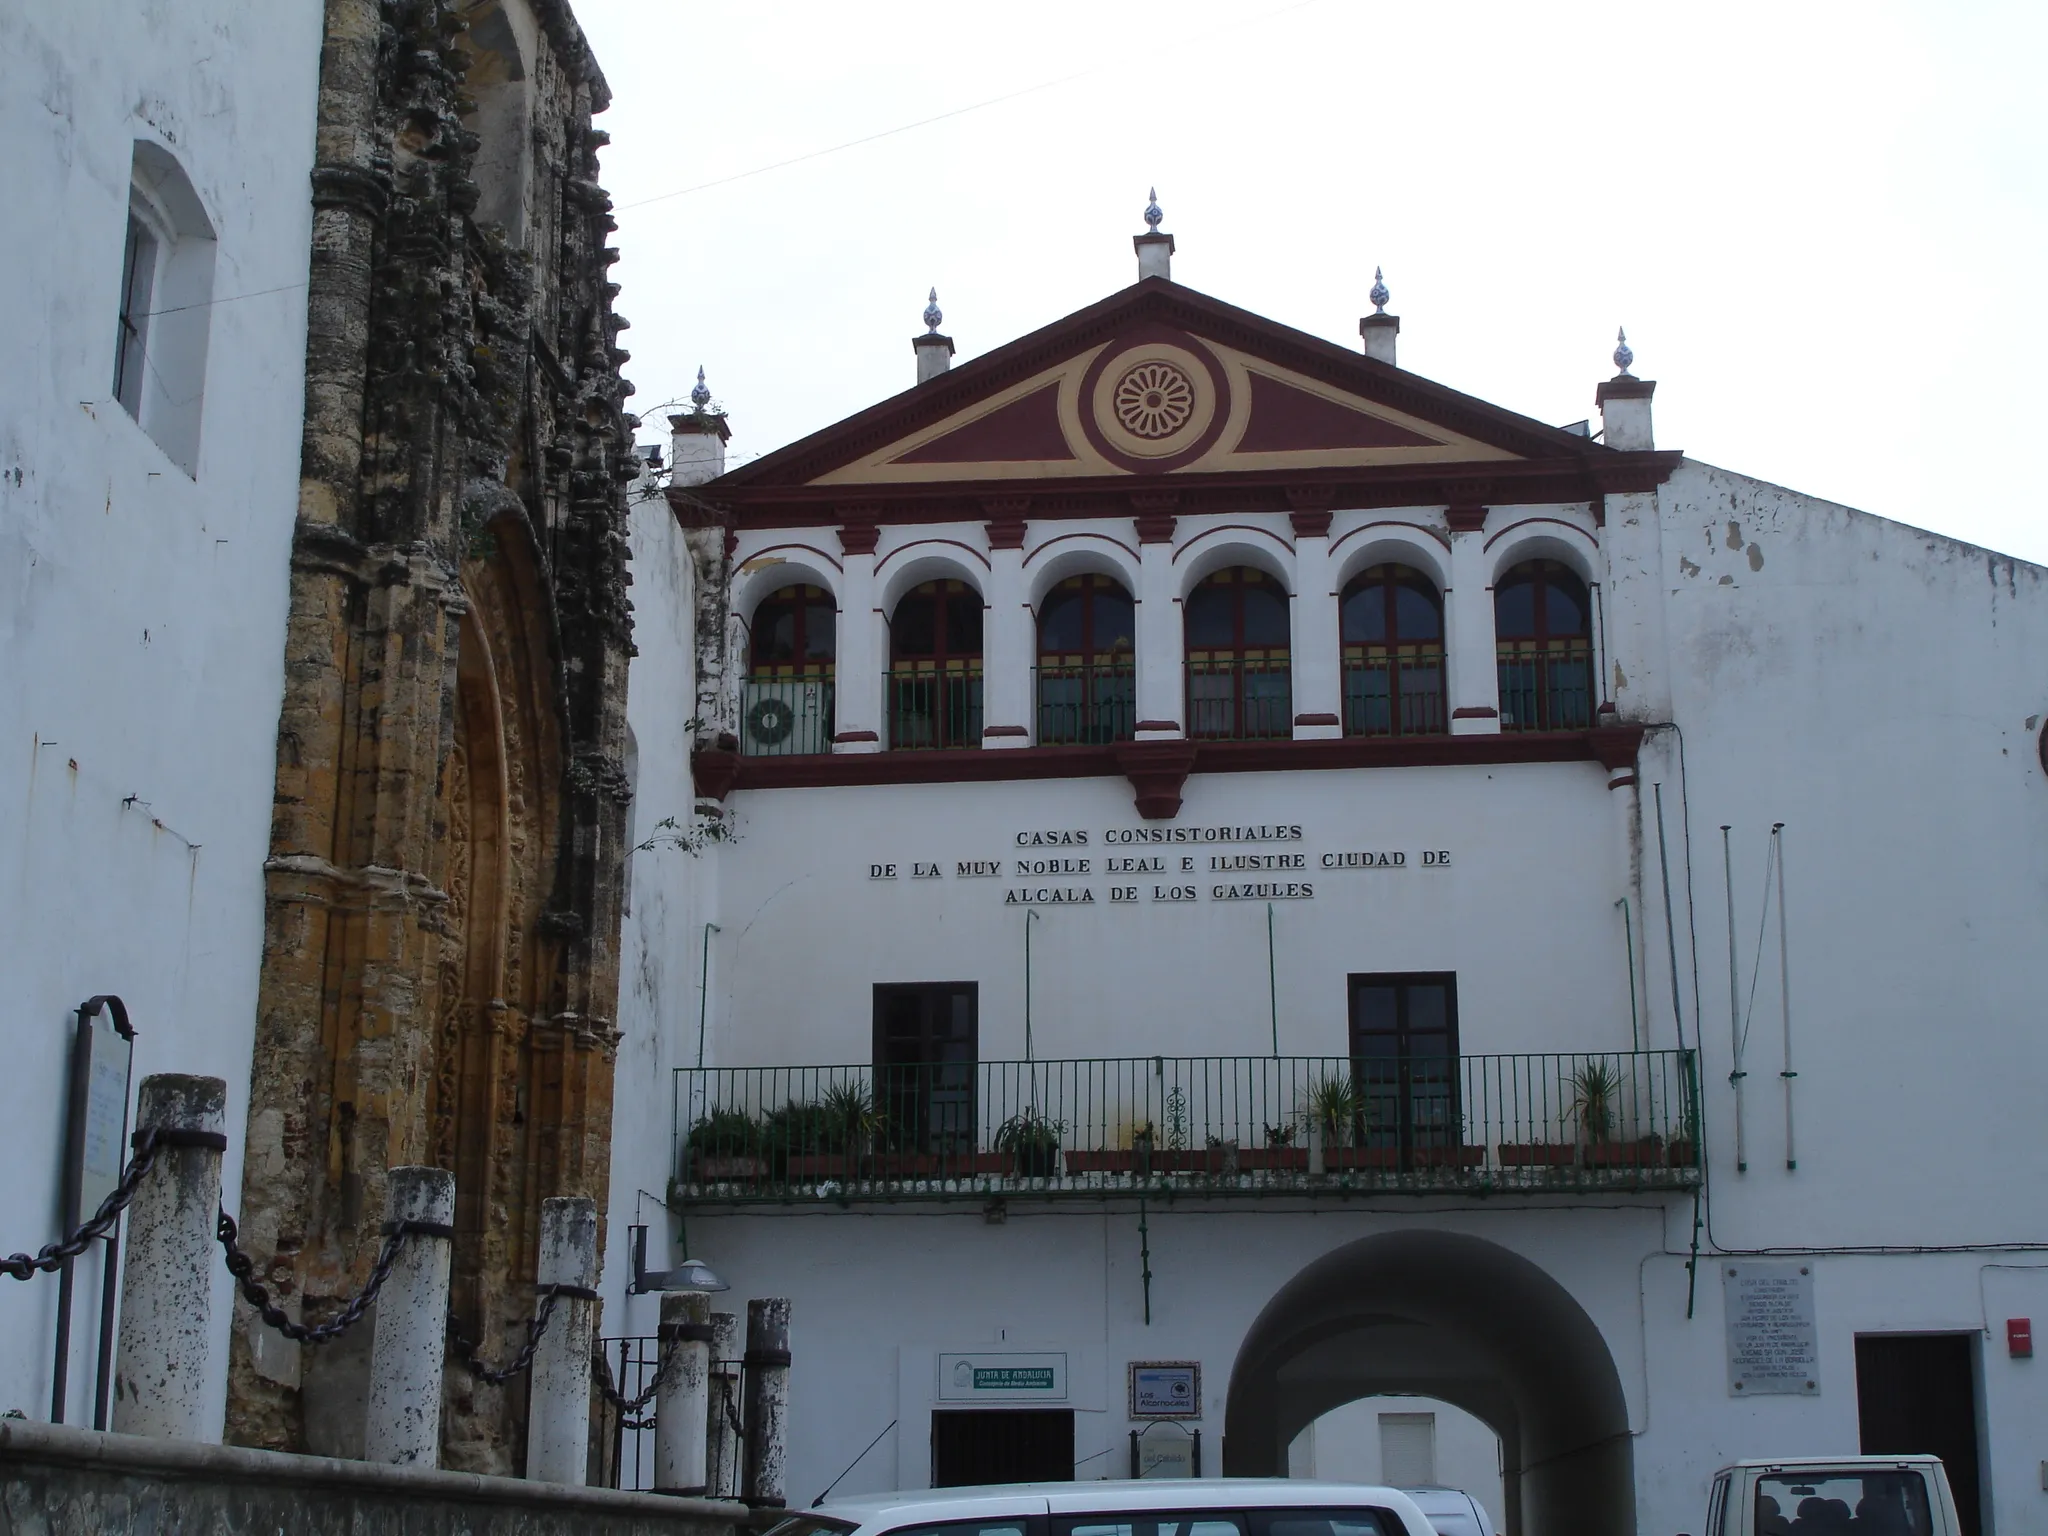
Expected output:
(1265, 533)
(1525, 522)
(972, 765)
(920, 543)
(1060, 538)
(1317, 720)
(808, 548)
(1004, 730)
(1624, 782)
(714, 772)
(1310, 525)
(857, 536)
(1155, 527)
(1615, 745)
(854, 736)
(1006, 533)
(1474, 712)
(1392, 522)
(1466, 519)
(1157, 725)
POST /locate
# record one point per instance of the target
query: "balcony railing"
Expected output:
(934, 709)
(1222, 1125)
(1233, 698)
(1394, 695)
(785, 716)
(1546, 687)
(1086, 705)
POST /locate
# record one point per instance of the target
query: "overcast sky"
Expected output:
(1822, 224)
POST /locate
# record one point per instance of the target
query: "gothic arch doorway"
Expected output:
(1458, 1318)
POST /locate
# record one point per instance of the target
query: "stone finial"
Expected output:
(1379, 294)
(1153, 214)
(933, 315)
(700, 397)
(1623, 357)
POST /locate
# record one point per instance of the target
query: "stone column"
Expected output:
(165, 1364)
(1316, 647)
(558, 1412)
(722, 1441)
(1638, 662)
(767, 1409)
(1162, 690)
(681, 1424)
(862, 646)
(406, 1359)
(1473, 681)
(1010, 645)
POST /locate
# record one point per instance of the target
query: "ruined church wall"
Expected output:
(142, 606)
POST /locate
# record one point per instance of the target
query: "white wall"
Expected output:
(1343, 1446)
(141, 609)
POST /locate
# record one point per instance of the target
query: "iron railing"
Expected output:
(1545, 686)
(626, 1442)
(1086, 705)
(785, 716)
(1389, 695)
(1233, 698)
(933, 709)
(1223, 1124)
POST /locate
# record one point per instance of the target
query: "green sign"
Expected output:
(1013, 1378)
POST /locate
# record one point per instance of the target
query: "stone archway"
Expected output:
(1457, 1318)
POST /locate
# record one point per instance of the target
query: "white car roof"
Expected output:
(1815, 1463)
(881, 1511)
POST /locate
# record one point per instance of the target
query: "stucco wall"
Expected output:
(141, 609)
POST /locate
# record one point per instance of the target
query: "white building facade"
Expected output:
(155, 327)
(1213, 870)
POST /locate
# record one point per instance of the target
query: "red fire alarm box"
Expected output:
(2019, 1337)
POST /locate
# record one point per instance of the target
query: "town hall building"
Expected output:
(1192, 876)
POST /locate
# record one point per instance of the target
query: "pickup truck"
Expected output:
(1833, 1496)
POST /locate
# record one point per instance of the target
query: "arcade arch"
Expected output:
(1458, 1318)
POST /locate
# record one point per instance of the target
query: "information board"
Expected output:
(1166, 1389)
(1773, 1345)
(1002, 1375)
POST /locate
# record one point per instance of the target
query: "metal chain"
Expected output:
(608, 1385)
(243, 1268)
(52, 1256)
(465, 1349)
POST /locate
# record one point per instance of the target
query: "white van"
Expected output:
(1234, 1506)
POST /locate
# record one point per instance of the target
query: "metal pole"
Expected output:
(1628, 939)
(680, 1421)
(767, 1401)
(1272, 983)
(167, 1343)
(1785, 997)
(704, 991)
(1670, 924)
(403, 1427)
(1029, 914)
(1735, 1072)
(110, 1306)
(558, 1411)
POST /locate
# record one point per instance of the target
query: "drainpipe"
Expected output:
(1628, 938)
(704, 991)
(1272, 983)
(1029, 915)
(1735, 1074)
(1785, 997)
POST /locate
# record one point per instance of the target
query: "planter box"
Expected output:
(824, 1165)
(1276, 1159)
(1449, 1157)
(1361, 1157)
(1096, 1160)
(1539, 1154)
(1191, 1160)
(722, 1170)
(1043, 1164)
(1682, 1154)
(1647, 1153)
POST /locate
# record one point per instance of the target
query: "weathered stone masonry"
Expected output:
(440, 949)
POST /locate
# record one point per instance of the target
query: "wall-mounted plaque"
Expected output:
(1166, 1389)
(1773, 1345)
(1002, 1375)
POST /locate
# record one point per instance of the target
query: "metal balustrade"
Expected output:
(1402, 695)
(785, 716)
(1086, 705)
(1240, 699)
(933, 709)
(1545, 686)
(1615, 1120)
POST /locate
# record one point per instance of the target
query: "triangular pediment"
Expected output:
(1158, 381)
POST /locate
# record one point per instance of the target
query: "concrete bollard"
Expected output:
(721, 1412)
(165, 1361)
(406, 1357)
(558, 1412)
(681, 1422)
(767, 1411)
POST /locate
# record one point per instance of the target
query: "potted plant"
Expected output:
(846, 1123)
(1032, 1141)
(1137, 1158)
(725, 1145)
(1683, 1150)
(1594, 1088)
(1279, 1152)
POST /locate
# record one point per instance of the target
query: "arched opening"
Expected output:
(1457, 1318)
(1237, 628)
(1087, 662)
(935, 667)
(792, 652)
(1392, 625)
(1542, 627)
(1408, 1441)
(496, 80)
(161, 332)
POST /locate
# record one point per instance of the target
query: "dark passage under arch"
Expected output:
(1457, 1318)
